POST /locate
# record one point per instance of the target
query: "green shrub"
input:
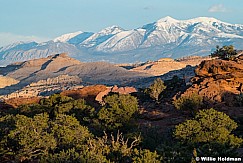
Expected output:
(146, 156)
(226, 52)
(59, 104)
(68, 132)
(70, 155)
(118, 111)
(155, 89)
(208, 126)
(55, 100)
(114, 148)
(97, 150)
(190, 102)
(30, 110)
(209, 133)
(35, 138)
(30, 139)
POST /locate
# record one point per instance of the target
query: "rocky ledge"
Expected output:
(218, 81)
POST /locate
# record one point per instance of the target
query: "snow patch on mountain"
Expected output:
(226, 35)
(128, 40)
(101, 36)
(66, 37)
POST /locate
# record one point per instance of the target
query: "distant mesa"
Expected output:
(166, 60)
(62, 69)
(7, 81)
(165, 65)
(42, 87)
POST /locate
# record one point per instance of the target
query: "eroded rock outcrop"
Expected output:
(218, 80)
(87, 91)
(62, 79)
(114, 89)
(44, 87)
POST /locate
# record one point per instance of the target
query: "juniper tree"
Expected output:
(156, 89)
(225, 52)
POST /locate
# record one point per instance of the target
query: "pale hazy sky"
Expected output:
(41, 20)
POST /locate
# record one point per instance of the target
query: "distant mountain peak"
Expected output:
(114, 29)
(66, 37)
(166, 37)
(203, 20)
(167, 19)
(166, 22)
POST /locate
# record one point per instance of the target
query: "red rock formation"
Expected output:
(123, 90)
(88, 93)
(115, 89)
(100, 96)
(218, 80)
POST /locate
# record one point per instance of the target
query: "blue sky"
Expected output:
(41, 20)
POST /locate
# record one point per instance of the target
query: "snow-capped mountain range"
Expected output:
(166, 37)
